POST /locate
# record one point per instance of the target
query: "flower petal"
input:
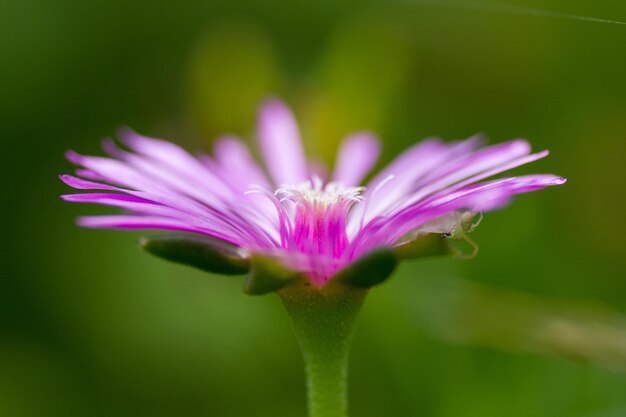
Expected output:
(172, 164)
(398, 180)
(145, 207)
(234, 157)
(149, 222)
(463, 166)
(480, 165)
(357, 155)
(480, 197)
(281, 145)
(81, 184)
(163, 184)
(175, 201)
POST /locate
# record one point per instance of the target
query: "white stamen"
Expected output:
(315, 192)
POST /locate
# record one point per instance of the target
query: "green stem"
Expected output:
(323, 320)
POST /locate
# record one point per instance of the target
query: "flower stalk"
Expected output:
(323, 321)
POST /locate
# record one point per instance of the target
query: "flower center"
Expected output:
(319, 214)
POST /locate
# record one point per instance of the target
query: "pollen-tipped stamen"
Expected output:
(319, 214)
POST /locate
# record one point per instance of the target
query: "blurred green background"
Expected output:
(534, 326)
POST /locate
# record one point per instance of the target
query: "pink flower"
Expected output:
(311, 224)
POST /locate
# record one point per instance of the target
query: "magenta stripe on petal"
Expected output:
(102, 198)
(145, 222)
(82, 184)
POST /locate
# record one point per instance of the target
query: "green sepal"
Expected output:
(369, 270)
(432, 244)
(267, 275)
(202, 252)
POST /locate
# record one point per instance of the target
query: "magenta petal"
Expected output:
(134, 204)
(494, 194)
(404, 174)
(474, 163)
(145, 207)
(158, 149)
(502, 168)
(472, 195)
(281, 145)
(148, 222)
(480, 197)
(478, 172)
(82, 184)
(177, 203)
(103, 198)
(239, 165)
(357, 155)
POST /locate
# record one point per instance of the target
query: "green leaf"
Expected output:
(267, 275)
(369, 270)
(203, 252)
(432, 244)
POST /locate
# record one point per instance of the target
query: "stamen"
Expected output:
(319, 215)
(315, 192)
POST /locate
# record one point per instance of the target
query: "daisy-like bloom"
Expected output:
(290, 210)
